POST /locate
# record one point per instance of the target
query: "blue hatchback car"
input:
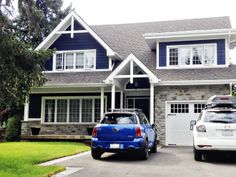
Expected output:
(124, 131)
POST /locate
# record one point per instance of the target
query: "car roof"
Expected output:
(219, 110)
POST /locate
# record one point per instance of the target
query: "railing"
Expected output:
(125, 110)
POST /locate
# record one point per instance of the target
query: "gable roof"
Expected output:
(64, 24)
(128, 38)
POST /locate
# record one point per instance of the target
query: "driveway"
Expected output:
(167, 162)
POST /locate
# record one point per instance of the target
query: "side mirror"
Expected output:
(193, 122)
(154, 125)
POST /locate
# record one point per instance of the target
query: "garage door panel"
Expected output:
(179, 116)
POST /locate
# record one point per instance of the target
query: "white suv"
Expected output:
(215, 129)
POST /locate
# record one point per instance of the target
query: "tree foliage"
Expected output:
(37, 18)
(20, 66)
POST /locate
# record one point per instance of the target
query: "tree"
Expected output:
(20, 66)
(37, 18)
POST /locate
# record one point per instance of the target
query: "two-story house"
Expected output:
(168, 69)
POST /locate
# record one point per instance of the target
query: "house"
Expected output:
(169, 69)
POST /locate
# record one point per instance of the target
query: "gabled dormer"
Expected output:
(191, 49)
(78, 48)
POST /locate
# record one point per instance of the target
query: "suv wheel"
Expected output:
(144, 152)
(96, 154)
(197, 154)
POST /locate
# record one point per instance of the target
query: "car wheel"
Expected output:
(144, 152)
(96, 154)
(154, 147)
(197, 154)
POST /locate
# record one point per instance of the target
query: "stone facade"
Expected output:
(171, 93)
(55, 129)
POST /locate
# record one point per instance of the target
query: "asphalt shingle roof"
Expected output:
(128, 38)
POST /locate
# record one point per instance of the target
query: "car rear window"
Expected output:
(119, 118)
(220, 117)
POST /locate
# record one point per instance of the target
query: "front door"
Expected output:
(140, 103)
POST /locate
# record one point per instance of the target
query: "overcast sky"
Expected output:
(129, 11)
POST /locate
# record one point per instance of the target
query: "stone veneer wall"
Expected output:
(55, 129)
(171, 93)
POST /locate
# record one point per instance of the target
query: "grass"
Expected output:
(20, 159)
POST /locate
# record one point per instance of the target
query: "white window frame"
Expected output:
(74, 60)
(68, 108)
(191, 54)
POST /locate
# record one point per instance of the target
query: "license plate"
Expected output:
(227, 133)
(116, 146)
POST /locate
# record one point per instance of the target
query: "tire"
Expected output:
(154, 147)
(96, 154)
(144, 152)
(197, 154)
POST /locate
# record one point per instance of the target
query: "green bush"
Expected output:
(12, 132)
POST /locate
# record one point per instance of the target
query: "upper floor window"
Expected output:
(83, 59)
(192, 55)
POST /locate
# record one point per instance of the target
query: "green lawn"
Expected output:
(20, 159)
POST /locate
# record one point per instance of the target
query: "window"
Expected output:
(49, 110)
(69, 60)
(87, 110)
(84, 59)
(192, 55)
(179, 108)
(119, 118)
(59, 61)
(71, 110)
(199, 107)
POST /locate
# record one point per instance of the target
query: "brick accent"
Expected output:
(171, 93)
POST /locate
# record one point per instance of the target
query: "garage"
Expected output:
(178, 117)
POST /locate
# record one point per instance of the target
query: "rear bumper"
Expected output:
(206, 144)
(125, 146)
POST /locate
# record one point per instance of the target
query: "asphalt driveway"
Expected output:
(167, 162)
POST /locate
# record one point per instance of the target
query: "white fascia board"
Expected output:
(53, 35)
(187, 33)
(195, 82)
(75, 85)
(152, 77)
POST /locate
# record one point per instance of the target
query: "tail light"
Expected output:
(95, 132)
(201, 128)
(138, 132)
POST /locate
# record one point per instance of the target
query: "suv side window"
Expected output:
(143, 119)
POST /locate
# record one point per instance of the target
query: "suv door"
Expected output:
(148, 129)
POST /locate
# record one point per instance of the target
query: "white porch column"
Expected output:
(121, 100)
(151, 103)
(102, 102)
(113, 96)
(26, 109)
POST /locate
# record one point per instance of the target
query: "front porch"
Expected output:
(71, 112)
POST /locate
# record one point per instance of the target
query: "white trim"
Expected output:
(26, 109)
(151, 103)
(193, 33)
(102, 102)
(152, 77)
(157, 55)
(197, 82)
(121, 100)
(132, 76)
(51, 37)
(68, 98)
(191, 47)
(72, 27)
(113, 96)
(193, 67)
(74, 52)
(69, 32)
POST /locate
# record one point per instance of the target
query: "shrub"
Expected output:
(12, 132)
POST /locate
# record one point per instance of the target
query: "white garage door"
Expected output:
(179, 116)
